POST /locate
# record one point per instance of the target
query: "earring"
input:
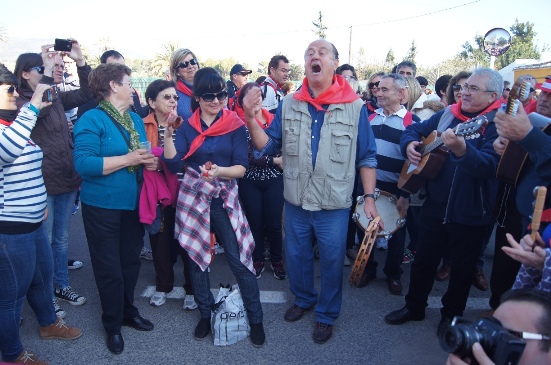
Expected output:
(116, 90)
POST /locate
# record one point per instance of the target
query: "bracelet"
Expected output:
(32, 108)
(369, 196)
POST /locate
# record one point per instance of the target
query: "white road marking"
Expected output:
(266, 296)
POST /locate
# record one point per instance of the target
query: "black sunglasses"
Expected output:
(507, 89)
(185, 64)
(10, 90)
(208, 97)
(39, 69)
(170, 96)
(456, 87)
(373, 84)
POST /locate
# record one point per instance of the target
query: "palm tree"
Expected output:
(162, 60)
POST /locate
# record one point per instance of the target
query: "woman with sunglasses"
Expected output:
(53, 134)
(110, 159)
(162, 100)
(372, 86)
(183, 66)
(261, 192)
(26, 265)
(453, 92)
(213, 145)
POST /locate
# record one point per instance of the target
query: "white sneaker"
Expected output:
(59, 312)
(189, 303)
(381, 243)
(158, 298)
(146, 254)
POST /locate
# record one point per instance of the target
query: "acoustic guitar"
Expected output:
(433, 154)
(514, 157)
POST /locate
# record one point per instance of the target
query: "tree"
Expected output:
(161, 62)
(297, 72)
(3, 35)
(320, 27)
(412, 52)
(390, 60)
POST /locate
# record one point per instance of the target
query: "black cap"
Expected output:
(238, 68)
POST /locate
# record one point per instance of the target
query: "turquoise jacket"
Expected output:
(96, 137)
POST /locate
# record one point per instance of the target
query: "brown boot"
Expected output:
(59, 331)
(479, 279)
(27, 357)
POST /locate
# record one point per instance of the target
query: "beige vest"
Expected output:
(330, 184)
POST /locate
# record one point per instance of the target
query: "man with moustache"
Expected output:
(459, 202)
(324, 135)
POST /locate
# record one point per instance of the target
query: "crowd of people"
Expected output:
(202, 161)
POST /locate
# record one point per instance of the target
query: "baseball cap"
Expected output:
(546, 85)
(238, 68)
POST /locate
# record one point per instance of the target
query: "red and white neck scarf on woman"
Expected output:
(228, 122)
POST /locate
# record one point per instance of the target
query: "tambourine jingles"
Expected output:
(364, 252)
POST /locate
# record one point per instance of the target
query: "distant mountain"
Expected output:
(15, 46)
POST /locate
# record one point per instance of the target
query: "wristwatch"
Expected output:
(31, 107)
(369, 196)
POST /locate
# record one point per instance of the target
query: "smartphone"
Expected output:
(63, 45)
(50, 94)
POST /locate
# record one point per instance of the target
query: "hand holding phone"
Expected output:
(63, 45)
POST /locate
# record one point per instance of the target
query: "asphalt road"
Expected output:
(360, 335)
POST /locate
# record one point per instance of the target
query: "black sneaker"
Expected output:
(74, 264)
(279, 270)
(257, 334)
(203, 329)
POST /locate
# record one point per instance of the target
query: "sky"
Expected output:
(252, 30)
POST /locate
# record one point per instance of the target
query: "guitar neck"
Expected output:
(431, 147)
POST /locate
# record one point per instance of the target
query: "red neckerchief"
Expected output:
(5, 122)
(340, 92)
(456, 109)
(275, 82)
(267, 116)
(180, 86)
(228, 122)
(531, 106)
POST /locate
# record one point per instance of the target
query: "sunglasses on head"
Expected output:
(39, 69)
(10, 90)
(456, 87)
(185, 64)
(221, 96)
(169, 96)
(373, 84)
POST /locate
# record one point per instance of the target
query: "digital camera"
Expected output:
(500, 345)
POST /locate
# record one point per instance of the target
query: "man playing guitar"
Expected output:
(458, 208)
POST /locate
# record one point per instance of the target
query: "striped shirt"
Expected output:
(22, 190)
(387, 132)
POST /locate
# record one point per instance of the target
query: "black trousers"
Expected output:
(166, 249)
(115, 239)
(465, 242)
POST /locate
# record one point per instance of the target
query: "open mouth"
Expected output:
(316, 68)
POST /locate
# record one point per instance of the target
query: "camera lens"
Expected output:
(452, 340)
(459, 339)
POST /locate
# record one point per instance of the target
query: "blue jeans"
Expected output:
(57, 227)
(25, 270)
(245, 279)
(330, 228)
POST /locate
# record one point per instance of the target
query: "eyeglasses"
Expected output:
(243, 74)
(168, 97)
(10, 90)
(221, 96)
(127, 83)
(474, 89)
(349, 77)
(39, 69)
(284, 70)
(373, 85)
(185, 64)
(456, 87)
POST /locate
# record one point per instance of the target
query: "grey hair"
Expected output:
(407, 64)
(495, 81)
(398, 80)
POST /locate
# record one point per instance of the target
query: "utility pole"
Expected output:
(350, 48)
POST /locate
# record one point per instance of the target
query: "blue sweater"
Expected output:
(466, 185)
(96, 137)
